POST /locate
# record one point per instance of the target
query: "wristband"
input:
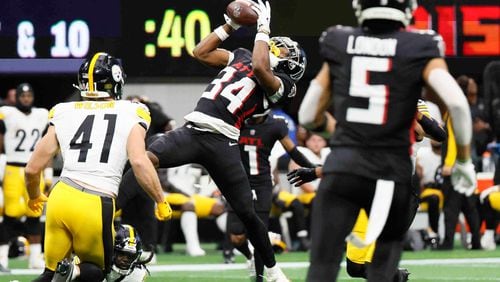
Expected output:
(262, 37)
(221, 33)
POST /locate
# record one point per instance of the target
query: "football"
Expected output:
(241, 12)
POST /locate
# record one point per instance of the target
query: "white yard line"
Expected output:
(236, 266)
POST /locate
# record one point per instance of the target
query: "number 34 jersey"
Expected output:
(93, 138)
(22, 132)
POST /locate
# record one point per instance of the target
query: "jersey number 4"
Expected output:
(377, 94)
(236, 92)
(85, 130)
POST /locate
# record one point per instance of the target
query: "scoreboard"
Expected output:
(155, 39)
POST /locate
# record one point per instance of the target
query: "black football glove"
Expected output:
(302, 175)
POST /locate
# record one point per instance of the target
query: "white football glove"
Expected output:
(264, 13)
(231, 23)
(463, 177)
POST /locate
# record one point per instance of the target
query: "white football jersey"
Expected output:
(138, 274)
(93, 138)
(22, 131)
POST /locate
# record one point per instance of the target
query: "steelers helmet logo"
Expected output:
(116, 72)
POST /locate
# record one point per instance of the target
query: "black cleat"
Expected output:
(402, 275)
(64, 271)
(228, 256)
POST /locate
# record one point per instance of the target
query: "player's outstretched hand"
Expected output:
(302, 175)
(263, 10)
(163, 211)
(463, 177)
(36, 204)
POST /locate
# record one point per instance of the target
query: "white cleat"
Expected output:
(488, 241)
(275, 274)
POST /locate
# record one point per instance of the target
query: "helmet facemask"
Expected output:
(127, 249)
(293, 62)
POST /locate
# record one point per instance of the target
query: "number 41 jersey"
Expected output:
(93, 138)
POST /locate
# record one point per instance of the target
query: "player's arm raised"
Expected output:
(260, 55)
(207, 51)
(45, 150)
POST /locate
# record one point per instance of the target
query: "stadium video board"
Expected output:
(156, 38)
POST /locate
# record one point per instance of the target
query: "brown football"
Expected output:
(241, 12)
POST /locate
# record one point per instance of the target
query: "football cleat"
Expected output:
(275, 274)
(64, 271)
(402, 275)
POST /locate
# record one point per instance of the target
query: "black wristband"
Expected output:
(299, 158)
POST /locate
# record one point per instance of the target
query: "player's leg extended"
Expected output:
(384, 265)
(228, 173)
(333, 217)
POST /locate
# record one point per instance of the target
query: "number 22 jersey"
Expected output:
(93, 138)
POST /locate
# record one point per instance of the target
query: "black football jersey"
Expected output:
(376, 82)
(234, 95)
(256, 142)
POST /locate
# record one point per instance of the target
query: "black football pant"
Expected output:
(138, 210)
(337, 203)
(454, 203)
(222, 160)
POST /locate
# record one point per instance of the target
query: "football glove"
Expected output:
(263, 11)
(163, 211)
(302, 175)
(463, 177)
(36, 204)
(231, 23)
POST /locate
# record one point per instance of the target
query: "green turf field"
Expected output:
(425, 266)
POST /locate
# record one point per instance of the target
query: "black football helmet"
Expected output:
(395, 10)
(21, 89)
(294, 63)
(100, 77)
(127, 249)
